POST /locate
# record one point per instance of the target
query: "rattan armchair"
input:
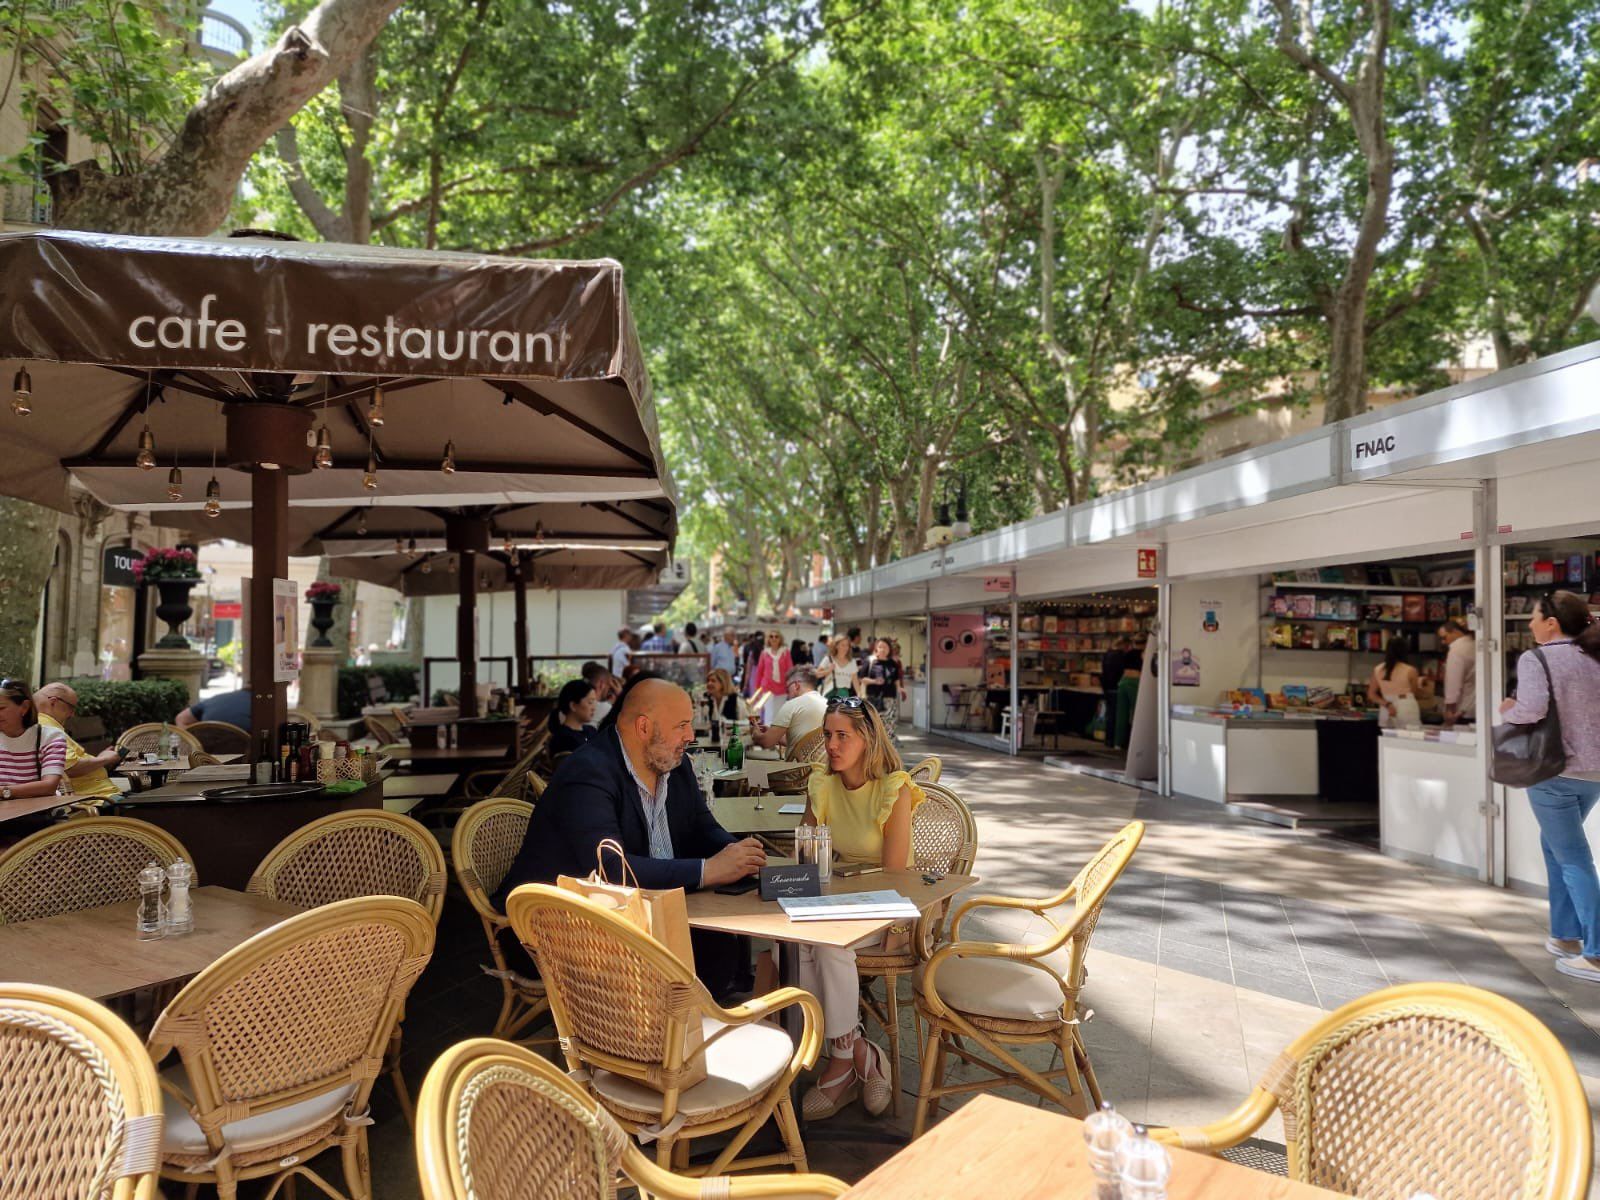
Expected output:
(485, 844)
(500, 1123)
(147, 737)
(83, 863)
(279, 1041)
(80, 1107)
(944, 839)
(306, 718)
(928, 770)
(623, 1004)
(498, 781)
(996, 995)
(363, 852)
(811, 748)
(385, 728)
(220, 737)
(1433, 1088)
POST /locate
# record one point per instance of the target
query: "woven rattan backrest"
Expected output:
(80, 1106)
(611, 987)
(1092, 885)
(944, 835)
(485, 844)
(305, 718)
(298, 1010)
(536, 787)
(364, 852)
(82, 863)
(810, 748)
(146, 737)
(928, 770)
(220, 737)
(385, 728)
(498, 1122)
(1434, 1088)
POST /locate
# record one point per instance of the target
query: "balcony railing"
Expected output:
(221, 36)
(27, 204)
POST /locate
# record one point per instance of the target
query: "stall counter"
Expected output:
(1217, 754)
(1430, 786)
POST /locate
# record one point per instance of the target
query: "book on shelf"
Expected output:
(860, 906)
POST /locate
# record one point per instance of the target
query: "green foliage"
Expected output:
(122, 704)
(401, 681)
(229, 654)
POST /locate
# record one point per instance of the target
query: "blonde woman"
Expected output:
(840, 672)
(866, 799)
(726, 701)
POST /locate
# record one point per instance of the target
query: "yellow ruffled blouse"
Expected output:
(857, 817)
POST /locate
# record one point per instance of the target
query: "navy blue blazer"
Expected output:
(592, 797)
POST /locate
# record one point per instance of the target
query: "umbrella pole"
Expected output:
(269, 560)
(519, 584)
(467, 631)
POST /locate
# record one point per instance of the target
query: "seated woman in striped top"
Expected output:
(33, 757)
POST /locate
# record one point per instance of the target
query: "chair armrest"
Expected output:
(810, 1044)
(474, 783)
(1229, 1131)
(1037, 907)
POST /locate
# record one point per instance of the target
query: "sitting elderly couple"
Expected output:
(632, 783)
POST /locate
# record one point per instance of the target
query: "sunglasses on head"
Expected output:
(15, 688)
(847, 704)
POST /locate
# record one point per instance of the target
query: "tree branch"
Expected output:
(330, 226)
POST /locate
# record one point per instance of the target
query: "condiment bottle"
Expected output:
(1143, 1166)
(180, 907)
(1104, 1132)
(148, 923)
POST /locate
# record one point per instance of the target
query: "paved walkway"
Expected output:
(1225, 940)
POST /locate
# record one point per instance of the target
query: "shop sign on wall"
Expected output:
(1149, 557)
(997, 583)
(1186, 669)
(1210, 616)
(116, 567)
(957, 640)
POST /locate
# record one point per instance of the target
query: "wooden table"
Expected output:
(752, 916)
(739, 814)
(96, 953)
(486, 756)
(1001, 1150)
(159, 771)
(755, 772)
(423, 787)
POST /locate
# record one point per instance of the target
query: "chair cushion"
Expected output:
(183, 1136)
(740, 1066)
(999, 987)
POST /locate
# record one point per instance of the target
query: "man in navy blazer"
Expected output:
(632, 784)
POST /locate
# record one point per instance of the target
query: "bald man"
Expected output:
(631, 783)
(56, 704)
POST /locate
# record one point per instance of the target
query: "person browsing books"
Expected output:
(866, 798)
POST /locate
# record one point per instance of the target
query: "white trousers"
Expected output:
(829, 974)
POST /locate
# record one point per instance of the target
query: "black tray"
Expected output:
(245, 793)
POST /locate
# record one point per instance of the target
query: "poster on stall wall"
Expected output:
(1210, 616)
(285, 632)
(957, 639)
(1185, 669)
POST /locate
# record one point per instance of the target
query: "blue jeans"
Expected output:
(1560, 806)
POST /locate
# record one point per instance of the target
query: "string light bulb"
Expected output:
(22, 392)
(375, 406)
(369, 477)
(411, 547)
(323, 459)
(510, 544)
(448, 466)
(426, 568)
(174, 485)
(145, 460)
(399, 545)
(538, 532)
(213, 498)
(453, 566)
(361, 523)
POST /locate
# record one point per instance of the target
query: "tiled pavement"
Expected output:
(1221, 944)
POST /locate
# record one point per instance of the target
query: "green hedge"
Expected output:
(400, 680)
(122, 704)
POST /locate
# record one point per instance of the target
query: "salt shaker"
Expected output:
(180, 909)
(1104, 1132)
(805, 844)
(1143, 1166)
(148, 923)
(822, 847)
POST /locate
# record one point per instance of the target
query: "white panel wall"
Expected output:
(1230, 657)
(1563, 499)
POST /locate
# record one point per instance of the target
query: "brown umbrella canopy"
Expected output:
(529, 371)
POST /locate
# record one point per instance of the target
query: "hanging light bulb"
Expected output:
(369, 478)
(213, 498)
(361, 523)
(324, 455)
(427, 567)
(510, 544)
(448, 466)
(453, 566)
(399, 545)
(175, 485)
(375, 407)
(145, 460)
(22, 393)
(538, 532)
(411, 547)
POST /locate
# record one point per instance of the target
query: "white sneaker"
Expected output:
(1580, 968)
(1563, 947)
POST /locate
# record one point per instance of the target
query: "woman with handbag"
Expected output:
(866, 799)
(1559, 680)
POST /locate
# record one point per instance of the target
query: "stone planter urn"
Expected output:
(174, 609)
(322, 619)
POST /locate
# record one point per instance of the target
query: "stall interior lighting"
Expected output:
(22, 392)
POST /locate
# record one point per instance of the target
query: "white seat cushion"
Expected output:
(740, 1065)
(1003, 987)
(183, 1136)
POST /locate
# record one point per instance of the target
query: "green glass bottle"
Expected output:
(735, 755)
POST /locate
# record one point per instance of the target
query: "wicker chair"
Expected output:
(386, 729)
(199, 758)
(497, 781)
(623, 1004)
(305, 718)
(1426, 1087)
(811, 748)
(791, 781)
(80, 1110)
(944, 839)
(363, 852)
(535, 787)
(148, 737)
(83, 863)
(998, 995)
(928, 770)
(484, 846)
(220, 737)
(500, 1123)
(279, 1042)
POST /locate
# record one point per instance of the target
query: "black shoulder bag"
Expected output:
(1528, 754)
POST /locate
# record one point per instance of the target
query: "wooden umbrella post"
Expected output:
(466, 536)
(518, 566)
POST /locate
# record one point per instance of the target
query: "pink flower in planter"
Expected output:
(323, 589)
(164, 563)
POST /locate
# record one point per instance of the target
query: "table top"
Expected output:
(749, 914)
(96, 953)
(738, 814)
(484, 754)
(419, 786)
(1002, 1150)
(10, 810)
(134, 767)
